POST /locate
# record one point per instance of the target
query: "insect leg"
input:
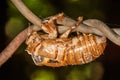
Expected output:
(66, 33)
(49, 27)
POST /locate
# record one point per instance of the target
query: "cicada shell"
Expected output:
(67, 51)
(64, 50)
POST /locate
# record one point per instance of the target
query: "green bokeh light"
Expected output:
(43, 75)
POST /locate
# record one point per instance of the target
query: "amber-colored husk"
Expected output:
(66, 51)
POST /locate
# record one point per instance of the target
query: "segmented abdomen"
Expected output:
(85, 49)
(78, 50)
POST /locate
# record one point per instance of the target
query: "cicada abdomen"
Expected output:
(87, 48)
(65, 51)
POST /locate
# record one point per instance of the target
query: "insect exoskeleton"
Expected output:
(51, 49)
(65, 51)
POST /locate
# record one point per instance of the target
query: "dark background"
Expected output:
(110, 59)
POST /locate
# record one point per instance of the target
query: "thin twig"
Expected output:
(110, 34)
(27, 13)
(67, 22)
(15, 43)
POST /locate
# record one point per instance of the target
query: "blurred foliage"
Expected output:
(43, 75)
(92, 71)
(45, 8)
(41, 8)
(13, 27)
(85, 8)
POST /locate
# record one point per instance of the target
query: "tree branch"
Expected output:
(15, 43)
(85, 28)
(109, 33)
(27, 13)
